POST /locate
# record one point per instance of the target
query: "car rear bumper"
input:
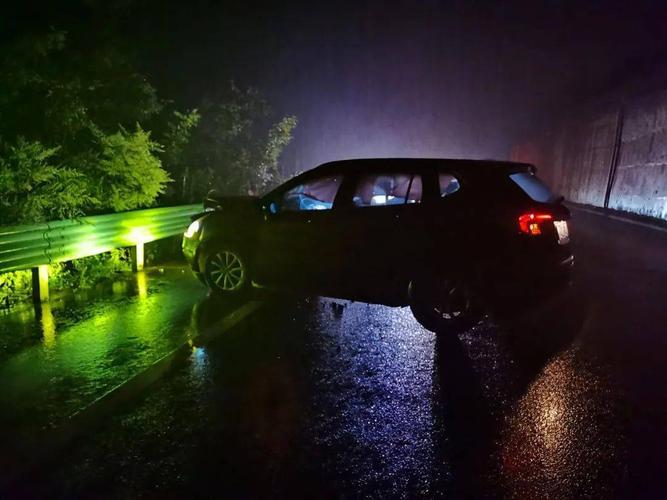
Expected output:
(530, 281)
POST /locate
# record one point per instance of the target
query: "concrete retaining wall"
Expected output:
(640, 183)
(622, 144)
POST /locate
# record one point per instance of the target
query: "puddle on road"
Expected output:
(24, 325)
(89, 343)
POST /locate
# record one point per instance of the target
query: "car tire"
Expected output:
(443, 306)
(225, 271)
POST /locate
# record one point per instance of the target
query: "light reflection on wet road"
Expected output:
(564, 438)
(326, 398)
(375, 368)
(90, 344)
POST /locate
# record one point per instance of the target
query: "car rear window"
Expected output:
(533, 187)
(448, 184)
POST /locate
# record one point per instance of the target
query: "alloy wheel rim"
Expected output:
(226, 271)
(454, 301)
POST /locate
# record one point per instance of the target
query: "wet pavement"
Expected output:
(61, 358)
(331, 399)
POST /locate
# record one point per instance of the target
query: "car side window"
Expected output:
(388, 189)
(316, 194)
(448, 184)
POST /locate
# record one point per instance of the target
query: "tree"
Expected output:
(33, 188)
(65, 116)
(178, 135)
(127, 172)
(61, 92)
(235, 148)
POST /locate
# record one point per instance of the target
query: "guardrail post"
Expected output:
(137, 256)
(40, 284)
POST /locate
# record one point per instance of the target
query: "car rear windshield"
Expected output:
(534, 187)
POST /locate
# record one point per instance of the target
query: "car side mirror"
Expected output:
(212, 199)
(272, 208)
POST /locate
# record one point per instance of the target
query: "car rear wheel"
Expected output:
(443, 306)
(226, 272)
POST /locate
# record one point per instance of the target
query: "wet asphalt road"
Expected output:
(330, 399)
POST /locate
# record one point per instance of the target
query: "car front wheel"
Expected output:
(226, 272)
(443, 306)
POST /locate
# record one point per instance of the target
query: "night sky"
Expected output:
(402, 78)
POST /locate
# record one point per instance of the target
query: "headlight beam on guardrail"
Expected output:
(38, 245)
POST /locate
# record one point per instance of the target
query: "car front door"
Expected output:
(298, 238)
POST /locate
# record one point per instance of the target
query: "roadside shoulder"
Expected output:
(628, 217)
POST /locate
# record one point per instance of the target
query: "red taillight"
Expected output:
(529, 223)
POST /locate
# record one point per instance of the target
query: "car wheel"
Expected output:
(443, 306)
(226, 271)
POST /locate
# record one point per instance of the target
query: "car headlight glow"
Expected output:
(192, 229)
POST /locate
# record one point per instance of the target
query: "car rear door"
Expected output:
(384, 229)
(456, 225)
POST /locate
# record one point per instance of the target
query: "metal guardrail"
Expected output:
(23, 247)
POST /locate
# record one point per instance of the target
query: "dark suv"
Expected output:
(451, 238)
